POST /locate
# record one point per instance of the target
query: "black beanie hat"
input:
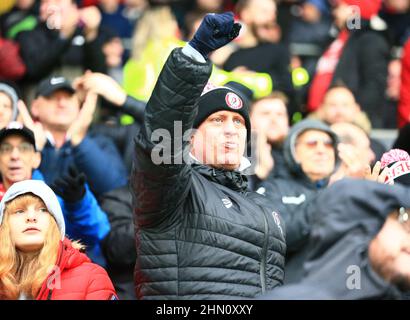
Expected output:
(223, 98)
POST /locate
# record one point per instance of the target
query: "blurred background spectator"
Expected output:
(121, 18)
(64, 41)
(259, 49)
(8, 105)
(357, 58)
(343, 62)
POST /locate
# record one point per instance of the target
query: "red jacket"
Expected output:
(404, 103)
(12, 66)
(76, 278)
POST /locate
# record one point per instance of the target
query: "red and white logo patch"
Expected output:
(233, 101)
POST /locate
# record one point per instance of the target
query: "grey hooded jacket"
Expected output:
(291, 195)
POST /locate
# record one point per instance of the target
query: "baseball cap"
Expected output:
(50, 85)
(15, 127)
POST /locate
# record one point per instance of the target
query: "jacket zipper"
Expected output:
(44, 287)
(264, 254)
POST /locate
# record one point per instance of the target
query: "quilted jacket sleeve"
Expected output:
(160, 178)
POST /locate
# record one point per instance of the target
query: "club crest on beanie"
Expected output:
(215, 99)
(233, 101)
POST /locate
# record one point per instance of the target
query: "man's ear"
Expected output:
(36, 160)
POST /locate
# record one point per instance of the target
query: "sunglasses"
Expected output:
(313, 143)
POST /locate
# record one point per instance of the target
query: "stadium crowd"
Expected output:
(204, 149)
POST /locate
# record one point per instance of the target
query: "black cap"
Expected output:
(18, 129)
(48, 86)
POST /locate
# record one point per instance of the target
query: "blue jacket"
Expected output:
(85, 221)
(96, 156)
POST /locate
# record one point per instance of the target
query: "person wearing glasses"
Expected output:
(311, 157)
(359, 245)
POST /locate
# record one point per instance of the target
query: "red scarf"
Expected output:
(2, 191)
(325, 70)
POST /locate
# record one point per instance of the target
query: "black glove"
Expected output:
(70, 187)
(215, 31)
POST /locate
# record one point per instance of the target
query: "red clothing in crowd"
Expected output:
(325, 70)
(368, 8)
(76, 278)
(11, 65)
(2, 191)
(328, 63)
(403, 110)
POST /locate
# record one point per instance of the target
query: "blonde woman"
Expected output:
(37, 261)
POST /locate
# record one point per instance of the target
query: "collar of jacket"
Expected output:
(313, 185)
(233, 180)
(68, 257)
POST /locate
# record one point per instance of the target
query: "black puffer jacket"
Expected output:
(200, 235)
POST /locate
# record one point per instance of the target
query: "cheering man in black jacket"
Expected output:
(199, 234)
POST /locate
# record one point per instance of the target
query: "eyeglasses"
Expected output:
(313, 143)
(24, 147)
(404, 219)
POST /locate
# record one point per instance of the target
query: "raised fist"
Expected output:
(215, 31)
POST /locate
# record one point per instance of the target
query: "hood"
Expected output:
(351, 204)
(295, 131)
(9, 91)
